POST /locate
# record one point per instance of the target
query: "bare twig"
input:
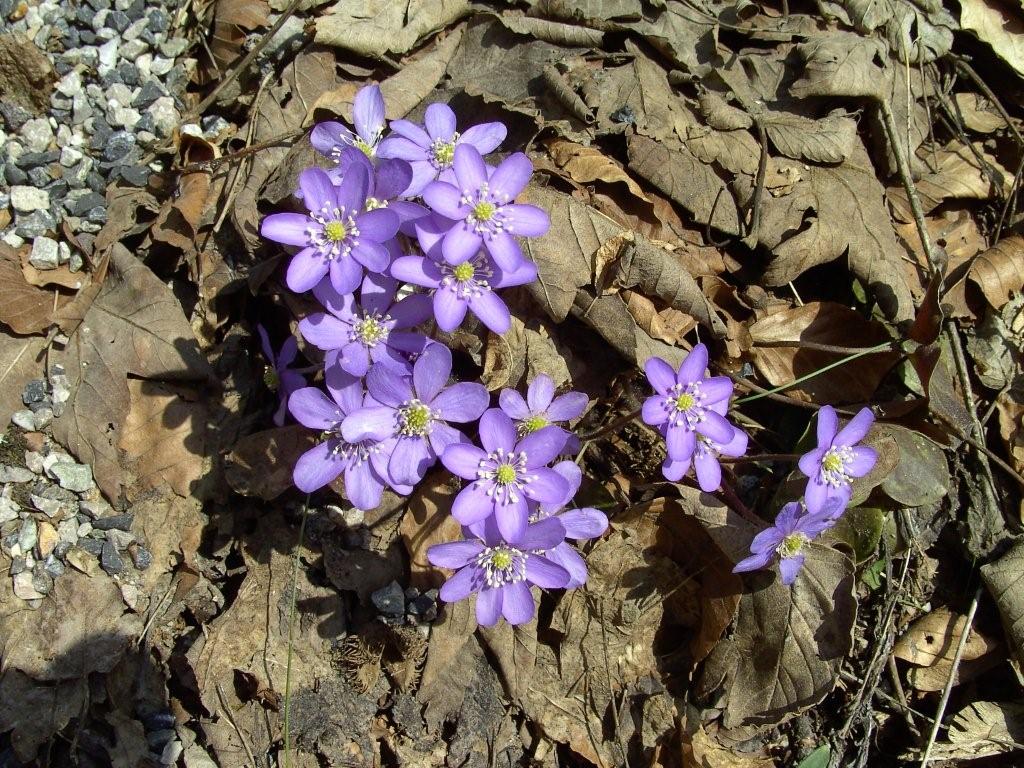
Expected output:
(611, 426)
(968, 70)
(231, 719)
(759, 457)
(832, 348)
(291, 629)
(937, 724)
(248, 59)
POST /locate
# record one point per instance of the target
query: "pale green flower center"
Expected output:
(484, 210)
(415, 418)
(335, 231)
(271, 379)
(464, 272)
(444, 153)
(505, 474)
(370, 331)
(685, 401)
(501, 559)
(533, 423)
(363, 147)
(791, 545)
(832, 462)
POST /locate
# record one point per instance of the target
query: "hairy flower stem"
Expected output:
(611, 427)
(291, 628)
(759, 457)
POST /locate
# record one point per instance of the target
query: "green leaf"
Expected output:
(860, 529)
(872, 575)
(818, 758)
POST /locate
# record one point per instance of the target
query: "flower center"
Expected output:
(271, 378)
(362, 146)
(443, 152)
(502, 565)
(484, 210)
(469, 278)
(532, 424)
(373, 203)
(504, 475)
(791, 545)
(833, 466)
(370, 331)
(685, 403)
(414, 418)
(335, 231)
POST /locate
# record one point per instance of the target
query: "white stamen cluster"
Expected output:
(415, 418)
(833, 466)
(706, 446)
(371, 330)
(442, 152)
(486, 217)
(685, 404)
(507, 474)
(502, 565)
(320, 237)
(476, 284)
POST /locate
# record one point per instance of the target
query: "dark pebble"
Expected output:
(96, 182)
(87, 36)
(53, 566)
(71, 40)
(86, 203)
(6, 9)
(136, 10)
(121, 522)
(136, 175)
(14, 175)
(145, 124)
(149, 37)
(97, 215)
(17, 565)
(117, 146)
(110, 78)
(98, 5)
(34, 392)
(141, 557)
(92, 546)
(111, 560)
(38, 177)
(389, 600)
(62, 67)
(158, 721)
(42, 582)
(84, 16)
(61, 549)
(36, 159)
(58, 190)
(150, 92)
(157, 21)
(623, 115)
(34, 224)
(129, 74)
(14, 116)
(118, 20)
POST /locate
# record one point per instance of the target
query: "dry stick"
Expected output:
(209, 165)
(817, 347)
(952, 677)
(1011, 199)
(245, 62)
(291, 627)
(759, 457)
(231, 719)
(762, 167)
(968, 70)
(981, 447)
(611, 427)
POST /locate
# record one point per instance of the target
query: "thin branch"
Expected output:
(831, 348)
(610, 427)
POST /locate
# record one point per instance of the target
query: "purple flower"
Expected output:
(501, 573)
(337, 237)
(387, 182)
(541, 408)
(468, 286)
(364, 462)
(682, 405)
(505, 474)
(355, 336)
(431, 151)
(786, 539)
(837, 459)
(331, 138)
(278, 376)
(415, 411)
(479, 203)
(705, 455)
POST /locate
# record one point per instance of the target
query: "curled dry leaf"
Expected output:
(978, 113)
(961, 172)
(427, 521)
(983, 729)
(1005, 579)
(232, 19)
(820, 323)
(553, 31)
(932, 639)
(826, 140)
(261, 463)
(588, 164)
(524, 352)
(134, 327)
(21, 359)
(999, 271)
(998, 25)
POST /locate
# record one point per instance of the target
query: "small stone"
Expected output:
(45, 254)
(91, 545)
(9, 474)
(95, 508)
(35, 224)
(120, 522)
(14, 115)
(150, 92)
(120, 539)
(86, 202)
(134, 29)
(142, 558)
(171, 752)
(70, 84)
(8, 509)
(28, 535)
(97, 215)
(54, 567)
(70, 157)
(14, 175)
(73, 477)
(118, 20)
(42, 417)
(136, 175)
(54, 501)
(157, 739)
(37, 159)
(130, 595)
(24, 587)
(161, 66)
(34, 392)
(125, 117)
(48, 539)
(67, 532)
(165, 115)
(110, 560)
(108, 55)
(26, 199)
(118, 146)
(34, 462)
(82, 560)
(174, 47)
(18, 564)
(424, 607)
(37, 134)
(389, 600)
(42, 582)
(39, 177)
(64, 252)
(131, 51)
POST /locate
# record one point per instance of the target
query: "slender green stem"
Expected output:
(291, 629)
(842, 361)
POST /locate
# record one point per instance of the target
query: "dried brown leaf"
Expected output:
(231, 20)
(378, 27)
(418, 76)
(523, 352)
(999, 25)
(33, 712)
(820, 323)
(553, 31)
(1005, 579)
(956, 171)
(983, 729)
(999, 271)
(978, 113)
(587, 164)
(24, 308)
(261, 464)
(134, 327)
(26, 73)
(921, 477)
(933, 639)
(427, 522)
(826, 140)
(21, 359)
(843, 64)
